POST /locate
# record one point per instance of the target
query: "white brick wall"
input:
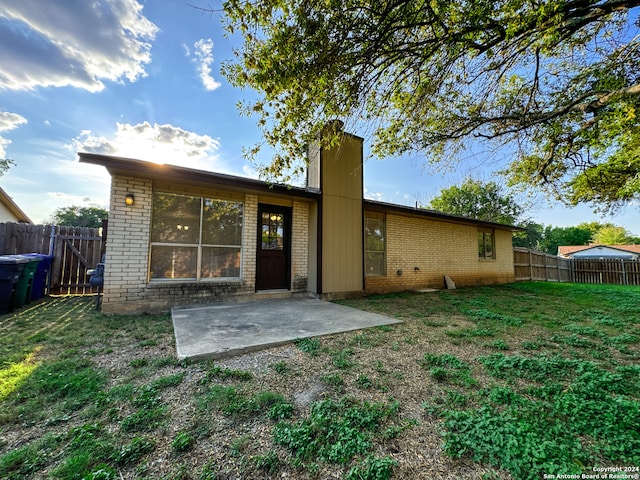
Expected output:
(249, 239)
(300, 247)
(127, 242)
(127, 289)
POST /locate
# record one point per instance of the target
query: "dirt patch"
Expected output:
(390, 361)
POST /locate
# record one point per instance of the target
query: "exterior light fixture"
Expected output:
(128, 200)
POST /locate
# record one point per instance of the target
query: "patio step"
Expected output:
(273, 294)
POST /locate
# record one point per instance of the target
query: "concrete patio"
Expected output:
(227, 329)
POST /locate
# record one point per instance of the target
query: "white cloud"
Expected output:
(72, 43)
(8, 121)
(82, 201)
(157, 143)
(204, 57)
(250, 172)
(378, 196)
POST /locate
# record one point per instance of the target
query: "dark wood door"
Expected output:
(274, 249)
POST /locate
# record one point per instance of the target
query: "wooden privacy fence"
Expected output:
(616, 271)
(74, 249)
(530, 265)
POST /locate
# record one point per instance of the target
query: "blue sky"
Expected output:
(141, 79)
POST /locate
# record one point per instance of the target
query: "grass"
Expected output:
(563, 401)
(514, 381)
(334, 431)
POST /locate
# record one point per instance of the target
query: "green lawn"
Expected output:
(513, 381)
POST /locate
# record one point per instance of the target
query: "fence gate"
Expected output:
(75, 250)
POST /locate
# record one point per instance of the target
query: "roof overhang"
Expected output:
(383, 207)
(13, 207)
(163, 172)
(176, 174)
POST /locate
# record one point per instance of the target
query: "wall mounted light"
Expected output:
(128, 200)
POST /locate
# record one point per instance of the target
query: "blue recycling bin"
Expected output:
(11, 268)
(41, 275)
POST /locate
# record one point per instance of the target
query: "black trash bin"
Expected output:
(40, 277)
(10, 271)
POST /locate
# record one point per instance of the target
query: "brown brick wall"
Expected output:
(424, 251)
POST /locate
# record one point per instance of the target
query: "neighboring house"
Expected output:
(188, 236)
(626, 252)
(10, 211)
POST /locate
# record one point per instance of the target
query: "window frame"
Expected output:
(383, 218)
(199, 246)
(484, 233)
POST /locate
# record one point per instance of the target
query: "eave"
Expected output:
(176, 174)
(384, 207)
(13, 207)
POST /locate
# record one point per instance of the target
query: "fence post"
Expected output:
(572, 270)
(546, 267)
(624, 273)
(52, 237)
(530, 266)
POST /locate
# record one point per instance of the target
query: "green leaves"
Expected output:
(5, 164)
(75, 216)
(580, 413)
(480, 200)
(555, 82)
(335, 431)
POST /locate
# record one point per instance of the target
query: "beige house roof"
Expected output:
(10, 211)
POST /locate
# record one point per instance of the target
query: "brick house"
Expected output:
(181, 236)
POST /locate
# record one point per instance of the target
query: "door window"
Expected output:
(272, 231)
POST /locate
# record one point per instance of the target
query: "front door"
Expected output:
(272, 259)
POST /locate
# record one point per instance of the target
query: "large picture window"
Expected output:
(374, 244)
(486, 244)
(195, 238)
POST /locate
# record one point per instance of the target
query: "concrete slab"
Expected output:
(222, 330)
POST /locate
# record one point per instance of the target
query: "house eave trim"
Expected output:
(13, 207)
(140, 168)
(383, 207)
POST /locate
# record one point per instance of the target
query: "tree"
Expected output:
(556, 236)
(5, 164)
(613, 235)
(532, 237)
(479, 200)
(594, 227)
(75, 216)
(555, 81)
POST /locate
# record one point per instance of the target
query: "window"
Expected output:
(272, 231)
(486, 243)
(374, 244)
(194, 238)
